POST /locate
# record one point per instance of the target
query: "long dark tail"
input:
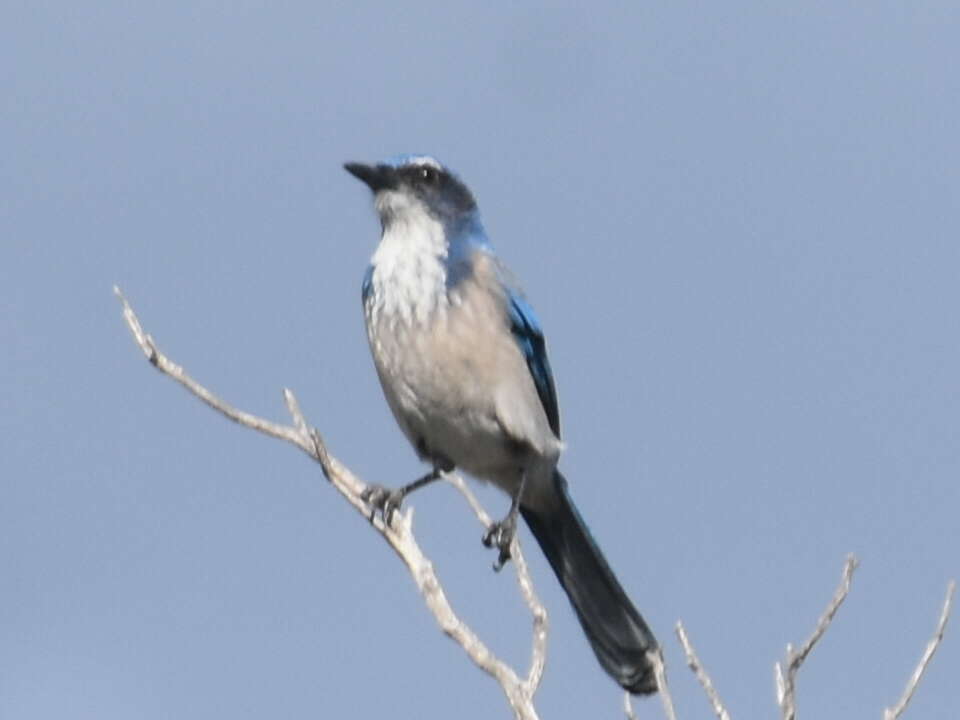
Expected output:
(619, 636)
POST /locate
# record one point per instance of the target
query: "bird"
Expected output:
(462, 361)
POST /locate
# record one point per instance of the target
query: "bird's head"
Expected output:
(411, 188)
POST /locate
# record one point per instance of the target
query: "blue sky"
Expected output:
(737, 222)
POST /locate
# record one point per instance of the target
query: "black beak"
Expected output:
(377, 177)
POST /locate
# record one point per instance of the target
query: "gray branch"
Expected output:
(693, 662)
(787, 679)
(666, 699)
(897, 710)
(398, 533)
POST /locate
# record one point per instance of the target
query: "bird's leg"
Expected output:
(387, 501)
(501, 533)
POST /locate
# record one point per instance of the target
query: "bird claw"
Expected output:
(383, 500)
(500, 535)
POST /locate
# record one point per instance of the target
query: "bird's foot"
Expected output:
(383, 500)
(500, 535)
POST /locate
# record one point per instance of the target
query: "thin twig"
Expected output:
(897, 710)
(170, 368)
(655, 657)
(693, 662)
(537, 610)
(786, 680)
(398, 533)
(660, 672)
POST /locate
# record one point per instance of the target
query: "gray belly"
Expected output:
(463, 396)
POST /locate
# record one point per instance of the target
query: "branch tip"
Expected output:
(693, 662)
(786, 675)
(892, 713)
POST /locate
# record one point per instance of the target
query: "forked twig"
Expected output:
(786, 678)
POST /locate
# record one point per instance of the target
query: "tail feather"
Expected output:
(618, 634)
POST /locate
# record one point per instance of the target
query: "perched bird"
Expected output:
(463, 364)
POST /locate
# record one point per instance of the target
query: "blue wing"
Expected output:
(367, 285)
(526, 329)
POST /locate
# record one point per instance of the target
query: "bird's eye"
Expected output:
(428, 174)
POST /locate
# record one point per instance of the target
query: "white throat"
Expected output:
(409, 281)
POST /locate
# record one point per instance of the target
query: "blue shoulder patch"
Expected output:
(367, 284)
(526, 329)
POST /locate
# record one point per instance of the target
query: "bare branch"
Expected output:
(660, 671)
(823, 623)
(897, 710)
(539, 613)
(666, 699)
(786, 680)
(398, 533)
(693, 662)
(170, 368)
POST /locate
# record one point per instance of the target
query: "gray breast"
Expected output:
(459, 386)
